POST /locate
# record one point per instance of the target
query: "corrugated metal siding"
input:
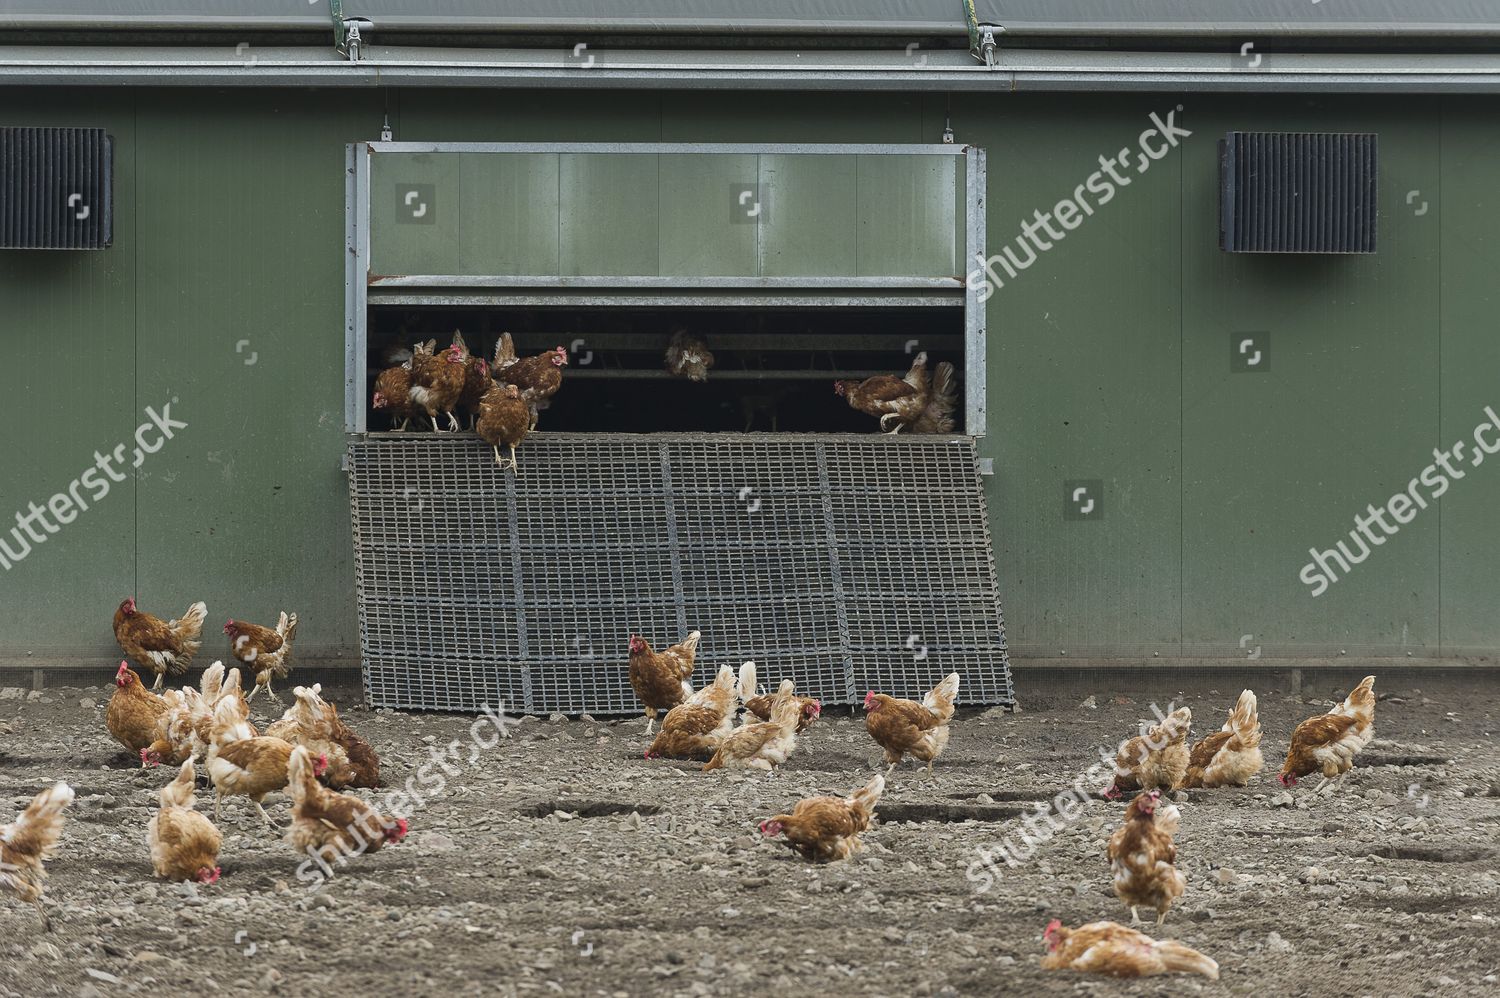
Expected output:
(1109, 360)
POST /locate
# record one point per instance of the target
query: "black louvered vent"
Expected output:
(55, 188)
(1298, 192)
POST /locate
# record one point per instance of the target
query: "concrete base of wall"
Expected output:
(1041, 684)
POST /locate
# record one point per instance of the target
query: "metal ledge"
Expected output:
(892, 70)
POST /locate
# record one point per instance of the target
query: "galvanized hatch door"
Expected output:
(847, 562)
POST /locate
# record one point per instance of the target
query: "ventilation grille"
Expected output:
(1295, 192)
(848, 563)
(55, 190)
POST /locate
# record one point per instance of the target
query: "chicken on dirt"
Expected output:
(1329, 743)
(163, 647)
(905, 727)
(825, 829)
(265, 653)
(28, 842)
(1142, 858)
(1113, 950)
(660, 678)
(765, 744)
(246, 766)
(324, 819)
(135, 715)
(1231, 756)
(184, 844)
(694, 729)
(1156, 760)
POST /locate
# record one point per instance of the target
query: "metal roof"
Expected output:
(1389, 19)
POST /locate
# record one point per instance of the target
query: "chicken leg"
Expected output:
(264, 816)
(160, 676)
(46, 922)
(452, 422)
(1135, 916)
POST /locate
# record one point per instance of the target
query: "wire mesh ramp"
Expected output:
(847, 562)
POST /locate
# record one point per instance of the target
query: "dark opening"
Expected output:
(773, 371)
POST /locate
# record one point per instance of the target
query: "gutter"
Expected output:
(1015, 70)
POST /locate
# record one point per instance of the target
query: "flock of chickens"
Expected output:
(503, 398)
(1142, 856)
(311, 755)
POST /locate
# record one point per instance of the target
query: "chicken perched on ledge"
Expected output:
(824, 829)
(538, 377)
(503, 419)
(1157, 760)
(164, 647)
(1142, 858)
(266, 654)
(905, 727)
(1329, 743)
(694, 729)
(184, 844)
(1230, 757)
(437, 382)
(1111, 949)
(28, 842)
(393, 395)
(660, 679)
(896, 402)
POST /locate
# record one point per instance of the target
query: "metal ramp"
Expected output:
(849, 562)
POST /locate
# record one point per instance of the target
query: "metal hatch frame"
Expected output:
(532, 290)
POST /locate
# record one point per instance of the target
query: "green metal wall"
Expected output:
(1109, 360)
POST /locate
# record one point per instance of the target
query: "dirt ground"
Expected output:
(561, 861)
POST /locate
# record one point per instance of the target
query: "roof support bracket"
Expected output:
(348, 36)
(987, 50)
(982, 43)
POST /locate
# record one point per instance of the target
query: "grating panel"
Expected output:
(847, 562)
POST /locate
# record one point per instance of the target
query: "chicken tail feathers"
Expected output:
(189, 633)
(1361, 701)
(212, 682)
(868, 796)
(505, 352)
(287, 628)
(747, 681)
(937, 417)
(36, 831)
(940, 700)
(1177, 958)
(1244, 721)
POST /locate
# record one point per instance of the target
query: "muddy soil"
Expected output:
(560, 861)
